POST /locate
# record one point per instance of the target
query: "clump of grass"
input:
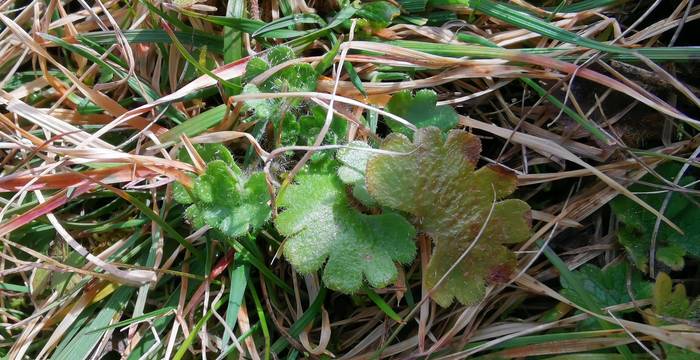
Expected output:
(149, 149)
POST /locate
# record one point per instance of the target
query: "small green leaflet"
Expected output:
(638, 224)
(672, 301)
(420, 110)
(225, 198)
(669, 305)
(297, 77)
(294, 78)
(321, 226)
(310, 125)
(436, 182)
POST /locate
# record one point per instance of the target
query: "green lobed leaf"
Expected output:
(637, 227)
(420, 110)
(354, 162)
(608, 286)
(262, 108)
(436, 181)
(310, 125)
(672, 302)
(669, 300)
(209, 153)
(224, 197)
(280, 54)
(295, 78)
(255, 67)
(321, 226)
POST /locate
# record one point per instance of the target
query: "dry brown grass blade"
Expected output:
(541, 61)
(226, 72)
(109, 105)
(57, 181)
(45, 121)
(548, 147)
(477, 70)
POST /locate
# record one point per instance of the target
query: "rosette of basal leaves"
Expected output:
(322, 227)
(293, 78)
(225, 198)
(435, 180)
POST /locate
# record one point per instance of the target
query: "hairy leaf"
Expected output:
(294, 78)
(352, 172)
(225, 198)
(323, 227)
(209, 153)
(436, 181)
(310, 125)
(638, 224)
(420, 110)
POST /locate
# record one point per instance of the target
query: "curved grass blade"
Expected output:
(287, 21)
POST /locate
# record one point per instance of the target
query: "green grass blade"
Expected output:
(147, 316)
(260, 310)
(238, 284)
(309, 315)
(287, 21)
(182, 350)
(196, 125)
(386, 308)
(156, 36)
(87, 338)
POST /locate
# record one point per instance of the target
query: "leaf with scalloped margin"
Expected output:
(321, 226)
(227, 200)
(672, 303)
(420, 110)
(437, 183)
(208, 153)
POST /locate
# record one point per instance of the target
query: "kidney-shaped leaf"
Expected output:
(321, 225)
(436, 181)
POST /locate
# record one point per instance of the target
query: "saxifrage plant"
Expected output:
(436, 182)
